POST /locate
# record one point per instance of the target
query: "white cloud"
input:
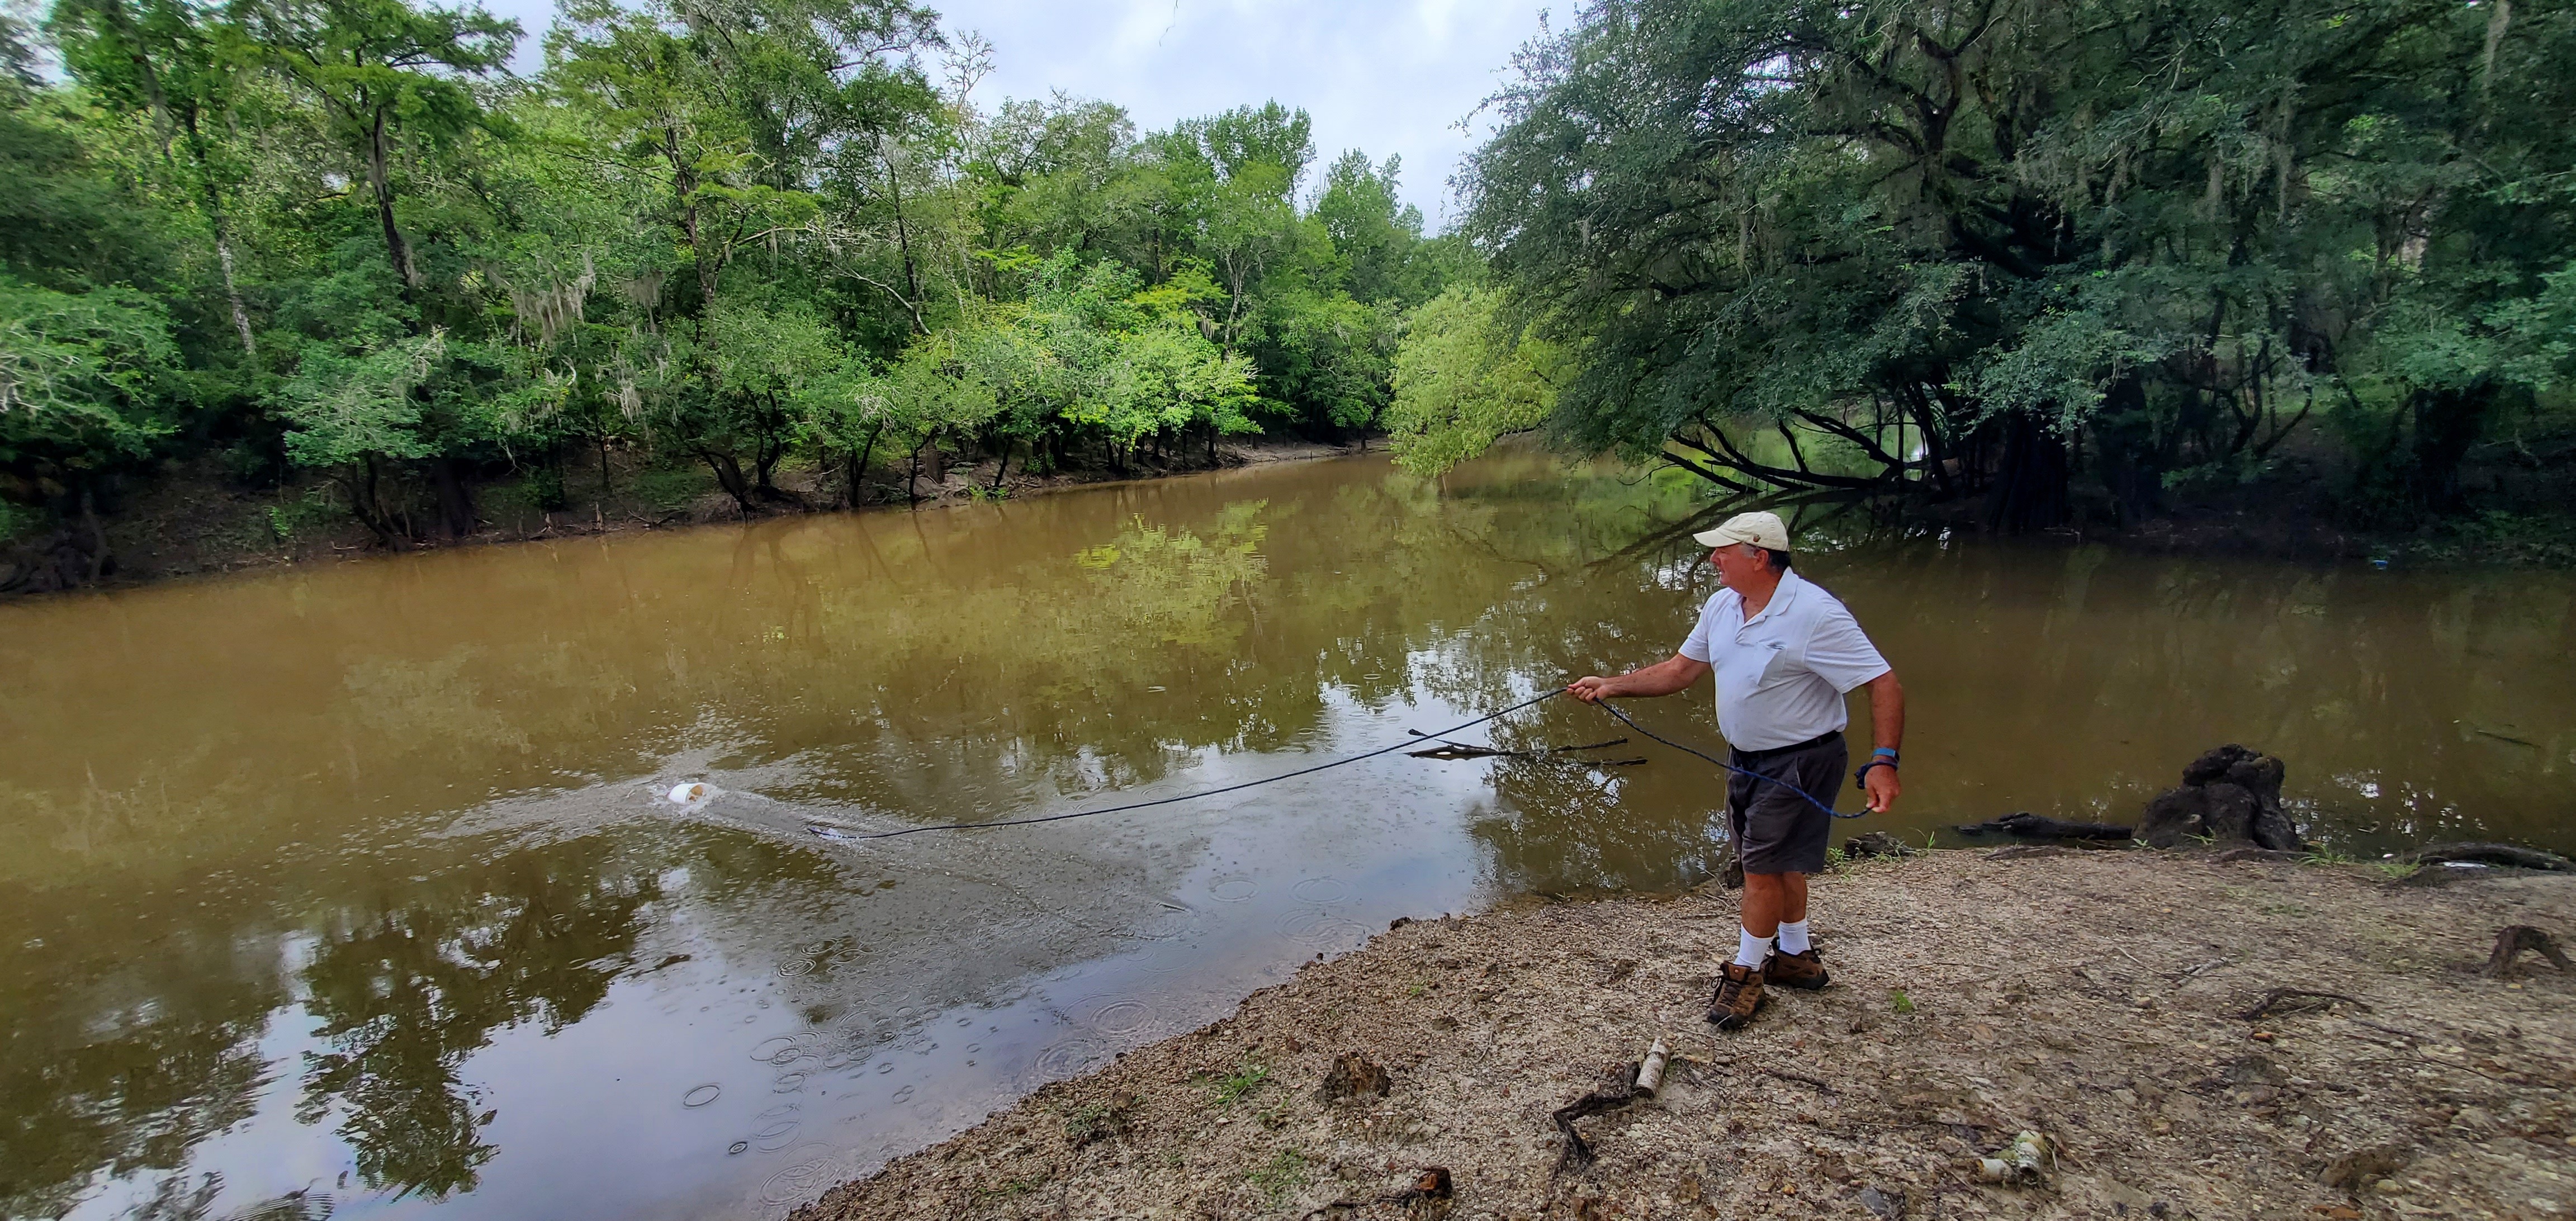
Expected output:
(1384, 77)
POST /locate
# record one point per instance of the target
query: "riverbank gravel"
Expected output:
(2093, 997)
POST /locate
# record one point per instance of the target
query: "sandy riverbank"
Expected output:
(2090, 996)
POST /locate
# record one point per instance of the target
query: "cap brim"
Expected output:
(1715, 538)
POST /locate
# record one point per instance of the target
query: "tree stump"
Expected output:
(2512, 940)
(2230, 793)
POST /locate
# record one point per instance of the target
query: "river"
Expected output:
(357, 889)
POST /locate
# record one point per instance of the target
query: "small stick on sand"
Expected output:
(2273, 1002)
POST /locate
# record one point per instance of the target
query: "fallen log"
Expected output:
(2507, 855)
(2033, 826)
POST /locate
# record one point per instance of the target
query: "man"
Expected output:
(1785, 653)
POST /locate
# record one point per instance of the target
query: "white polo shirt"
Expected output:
(1782, 675)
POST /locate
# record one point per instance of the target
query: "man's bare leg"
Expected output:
(1770, 898)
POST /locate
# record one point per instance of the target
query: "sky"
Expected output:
(1385, 76)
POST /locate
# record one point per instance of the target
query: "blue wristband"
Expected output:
(1888, 751)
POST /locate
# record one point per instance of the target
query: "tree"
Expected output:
(1466, 378)
(1989, 230)
(1377, 236)
(357, 412)
(161, 57)
(388, 74)
(762, 362)
(339, 236)
(86, 387)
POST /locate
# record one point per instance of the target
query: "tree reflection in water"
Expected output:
(127, 1105)
(402, 1000)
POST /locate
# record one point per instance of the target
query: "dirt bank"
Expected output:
(2091, 996)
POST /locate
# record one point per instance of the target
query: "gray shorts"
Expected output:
(1775, 829)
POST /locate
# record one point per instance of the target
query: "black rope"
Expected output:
(1827, 807)
(837, 833)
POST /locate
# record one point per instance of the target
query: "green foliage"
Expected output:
(2112, 237)
(1466, 377)
(671, 488)
(1277, 1178)
(1246, 1077)
(290, 518)
(341, 235)
(86, 382)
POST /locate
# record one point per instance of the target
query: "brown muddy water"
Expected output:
(362, 882)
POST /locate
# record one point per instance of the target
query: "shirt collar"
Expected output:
(1789, 583)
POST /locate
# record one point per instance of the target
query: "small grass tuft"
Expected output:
(1902, 1003)
(1099, 1120)
(1247, 1077)
(1279, 1176)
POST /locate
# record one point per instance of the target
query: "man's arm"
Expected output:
(1662, 678)
(1887, 727)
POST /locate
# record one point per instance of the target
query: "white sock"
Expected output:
(1751, 951)
(1793, 937)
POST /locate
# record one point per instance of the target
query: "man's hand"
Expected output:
(1883, 788)
(1887, 728)
(1662, 678)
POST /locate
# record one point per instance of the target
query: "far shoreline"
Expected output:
(188, 530)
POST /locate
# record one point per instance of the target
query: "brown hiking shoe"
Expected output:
(1802, 970)
(1739, 996)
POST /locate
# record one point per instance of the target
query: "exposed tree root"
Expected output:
(1621, 1091)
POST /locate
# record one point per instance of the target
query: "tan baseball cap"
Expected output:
(1760, 529)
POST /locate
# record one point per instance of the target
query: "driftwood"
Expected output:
(2295, 1000)
(1782, 1074)
(1876, 843)
(1650, 1071)
(1545, 754)
(2034, 826)
(1621, 1091)
(2512, 940)
(2506, 855)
